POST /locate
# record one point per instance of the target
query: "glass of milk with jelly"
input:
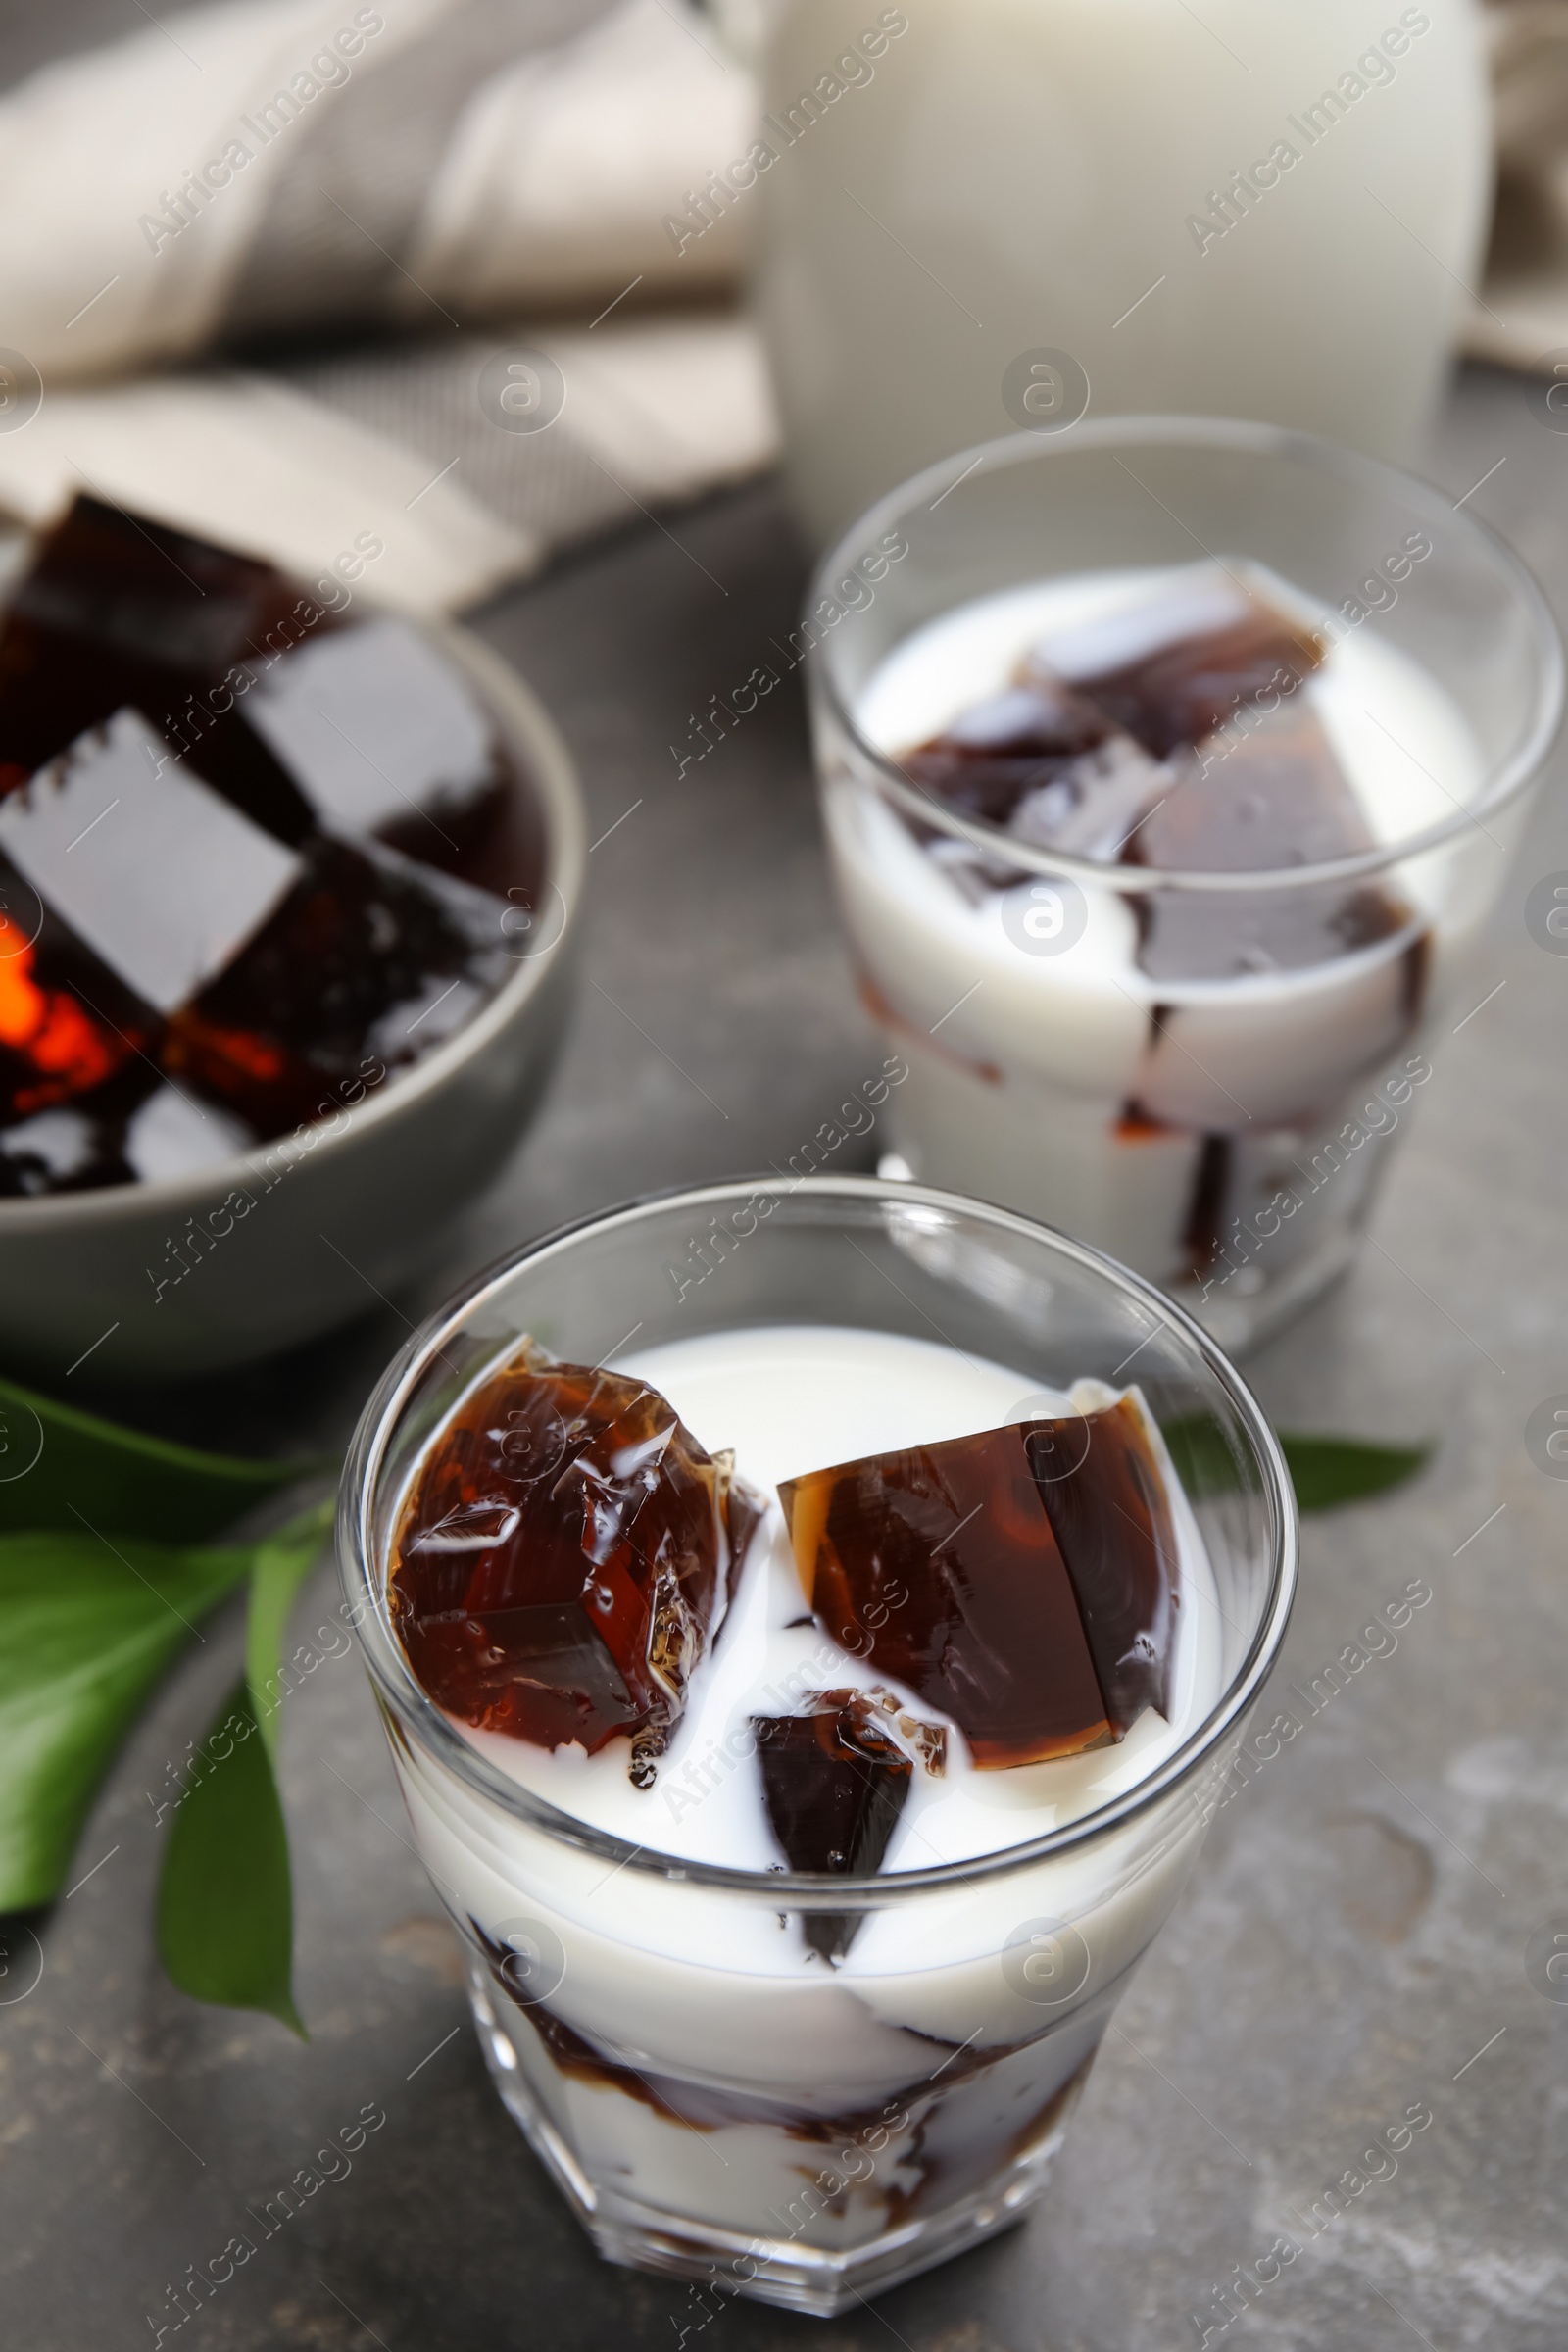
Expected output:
(813, 1620)
(1171, 771)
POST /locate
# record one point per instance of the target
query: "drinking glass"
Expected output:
(1223, 1134)
(705, 2108)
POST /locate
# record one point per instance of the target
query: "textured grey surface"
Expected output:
(1356, 1932)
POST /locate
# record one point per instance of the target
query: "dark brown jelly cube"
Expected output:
(938, 1565)
(118, 609)
(1275, 796)
(1273, 799)
(155, 594)
(1106, 1499)
(566, 1558)
(1022, 1581)
(381, 734)
(999, 751)
(158, 875)
(1187, 687)
(833, 1780)
(74, 1040)
(833, 1786)
(367, 962)
(165, 595)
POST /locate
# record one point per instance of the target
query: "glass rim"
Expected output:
(945, 478)
(419, 1718)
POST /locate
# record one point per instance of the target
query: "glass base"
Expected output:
(821, 2282)
(1252, 1303)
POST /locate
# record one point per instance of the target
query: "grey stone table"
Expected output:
(1354, 1943)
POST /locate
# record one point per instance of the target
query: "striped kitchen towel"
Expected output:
(282, 271)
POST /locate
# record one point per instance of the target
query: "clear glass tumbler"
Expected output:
(1221, 1131)
(809, 2137)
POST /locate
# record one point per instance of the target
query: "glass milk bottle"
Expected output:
(981, 215)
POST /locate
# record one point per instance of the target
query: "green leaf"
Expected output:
(63, 1468)
(225, 1903)
(1326, 1471)
(1330, 1471)
(225, 1907)
(88, 1625)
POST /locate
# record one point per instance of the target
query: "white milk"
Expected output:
(1252, 209)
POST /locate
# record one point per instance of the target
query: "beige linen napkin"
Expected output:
(269, 167)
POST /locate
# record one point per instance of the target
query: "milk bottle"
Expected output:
(980, 215)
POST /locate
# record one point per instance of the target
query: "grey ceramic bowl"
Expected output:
(299, 1235)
